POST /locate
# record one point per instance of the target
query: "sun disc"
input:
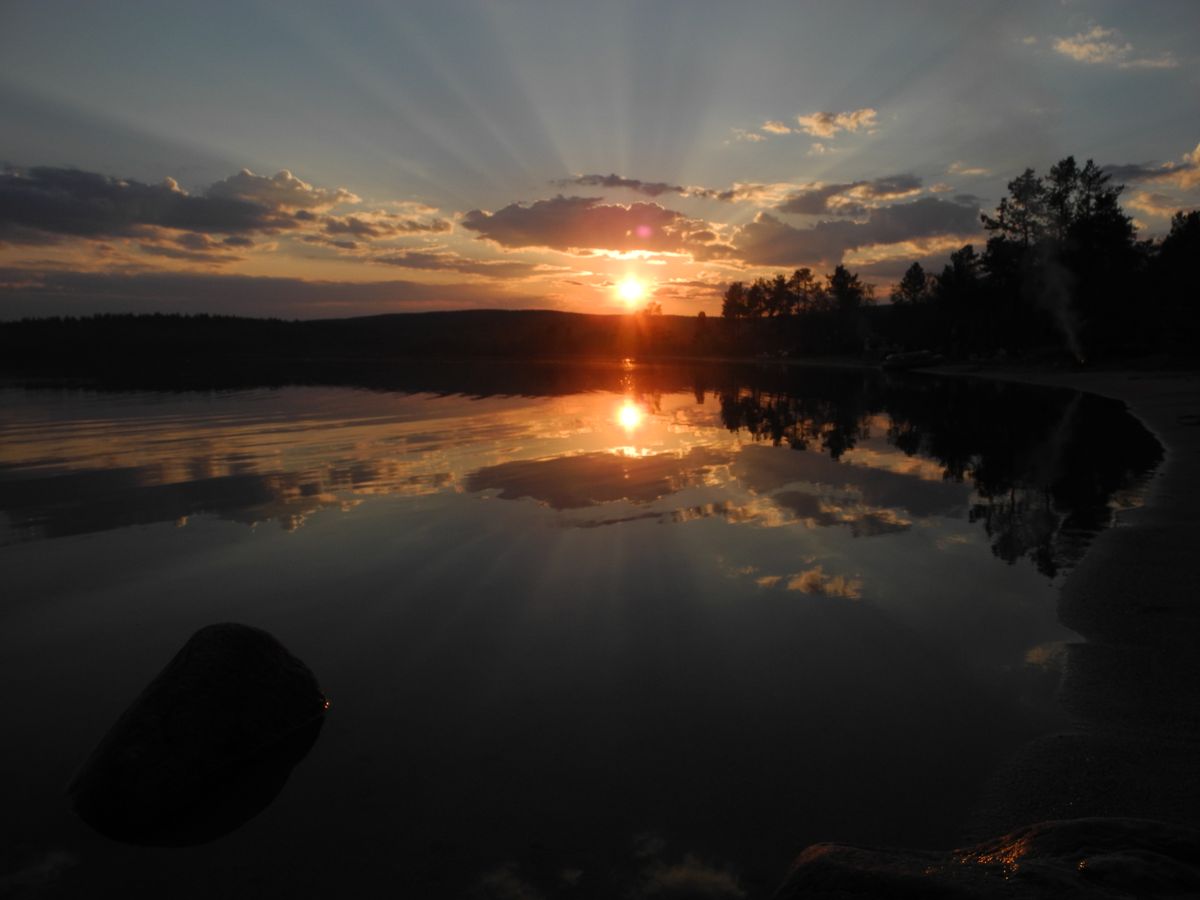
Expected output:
(631, 290)
(629, 416)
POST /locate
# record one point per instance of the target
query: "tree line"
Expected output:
(1061, 267)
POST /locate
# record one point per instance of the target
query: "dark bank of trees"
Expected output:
(1061, 267)
(811, 316)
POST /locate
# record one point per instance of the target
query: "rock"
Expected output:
(1105, 859)
(207, 745)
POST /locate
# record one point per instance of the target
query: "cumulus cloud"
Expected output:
(828, 124)
(580, 223)
(851, 198)
(1107, 47)
(769, 241)
(42, 203)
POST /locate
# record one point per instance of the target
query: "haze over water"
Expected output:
(652, 625)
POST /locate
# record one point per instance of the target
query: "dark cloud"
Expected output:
(649, 188)
(850, 198)
(381, 226)
(28, 293)
(87, 204)
(577, 223)
(451, 262)
(40, 204)
(204, 255)
(769, 241)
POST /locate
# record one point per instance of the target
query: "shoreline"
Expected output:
(1131, 688)
(1111, 806)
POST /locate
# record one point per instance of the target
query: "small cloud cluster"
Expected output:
(1184, 174)
(827, 124)
(851, 198)
(770, 241)
(442, 260)
(573, 224)
(961, 168)
(737, 193)
(1099, 46)
(823, 125)
(815, 581)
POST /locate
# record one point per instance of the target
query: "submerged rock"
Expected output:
(207, 745)
(1106, 859)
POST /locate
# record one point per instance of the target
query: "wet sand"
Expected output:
(1132, 688)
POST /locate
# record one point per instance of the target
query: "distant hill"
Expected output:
(226, 348)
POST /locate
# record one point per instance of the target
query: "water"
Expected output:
(587, 632)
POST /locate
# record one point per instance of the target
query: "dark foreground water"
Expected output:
(592, 632)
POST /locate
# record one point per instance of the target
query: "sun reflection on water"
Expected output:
(629, 416)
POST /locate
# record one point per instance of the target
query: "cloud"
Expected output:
(41, 204)
(769, 241)
(649, 188)
(773, 126)
(380, 225)
(961, 168)
(1184, 174)
(589, 479)
(1155, 204)
(438, 260)
(828, 124)
(1099, 46)
(692, 877)
(57, 201)
(579, 223)
(753, 137)
(738, 192)
(815, 581)
(850, 199)
(281, 191)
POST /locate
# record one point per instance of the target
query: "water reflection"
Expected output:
(561, 649)
(1038, 470)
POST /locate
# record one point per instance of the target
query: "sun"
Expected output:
(631, 290)
(629, 416)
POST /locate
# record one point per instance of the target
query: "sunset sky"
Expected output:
(309, 160)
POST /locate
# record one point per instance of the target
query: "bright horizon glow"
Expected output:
(629, 416)
(631, 290)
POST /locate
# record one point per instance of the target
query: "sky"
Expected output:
(306, 159)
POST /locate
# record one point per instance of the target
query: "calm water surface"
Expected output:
(616, 631)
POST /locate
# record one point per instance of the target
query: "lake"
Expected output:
(587, 631)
